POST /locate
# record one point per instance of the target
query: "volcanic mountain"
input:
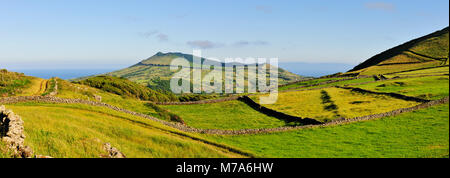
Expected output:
(155, 71)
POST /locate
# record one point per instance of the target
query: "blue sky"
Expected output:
(116, 33)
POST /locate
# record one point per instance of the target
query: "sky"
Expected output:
(117, 33)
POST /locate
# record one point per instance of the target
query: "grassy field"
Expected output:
(225, 115)
(315, 81)
(71, 90)
(60, 130)
(432, 71)
(4, 152)
(423, 133)
(305, 83)
(349, 104)
(373, 70)
(434, 87)
(36, 87)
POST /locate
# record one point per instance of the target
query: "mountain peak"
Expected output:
(161, 58)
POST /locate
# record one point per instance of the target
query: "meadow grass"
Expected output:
(374, 70)
(418, 134)
(434, 87)
(71, 90)
(34, 88)
(305, 83)
(4, 151)
(349, 104)
(432, 71)
(316, 81)
(73, 130)
(435, 47)
(229, 115)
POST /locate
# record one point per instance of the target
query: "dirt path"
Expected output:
(42, 87)
(36, 88)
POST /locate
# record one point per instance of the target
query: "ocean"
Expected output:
(304, 69)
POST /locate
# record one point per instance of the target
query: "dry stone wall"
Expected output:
(182, 127)
(112, 151)
(276, 114)
(12, 133)
(394, 95)
(200, 102)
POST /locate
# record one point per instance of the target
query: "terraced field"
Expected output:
(230, 115)
(331, 103)
(47, 127)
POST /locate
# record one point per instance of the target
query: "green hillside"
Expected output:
(425, 52)
(12, 83)
(155, 73)
(124, 87)
(404, 113)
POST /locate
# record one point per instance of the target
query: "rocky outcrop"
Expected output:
(113, 152)
(12, 133)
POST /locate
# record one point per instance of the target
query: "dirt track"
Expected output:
(42, 88)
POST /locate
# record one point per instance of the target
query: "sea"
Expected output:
(303, 69)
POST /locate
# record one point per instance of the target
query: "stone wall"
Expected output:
(394, 95)
(199, 102)
(326, 82)
(12, 133)
(276, 114)
(179, 126)
(55, 88)
(112, 151)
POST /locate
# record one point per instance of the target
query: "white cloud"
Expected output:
(204, 44)
(380, 6)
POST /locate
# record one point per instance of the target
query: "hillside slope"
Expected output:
(155, 73)
(124, 87)
(427, 51)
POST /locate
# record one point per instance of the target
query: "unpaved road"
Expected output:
(42, 87)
